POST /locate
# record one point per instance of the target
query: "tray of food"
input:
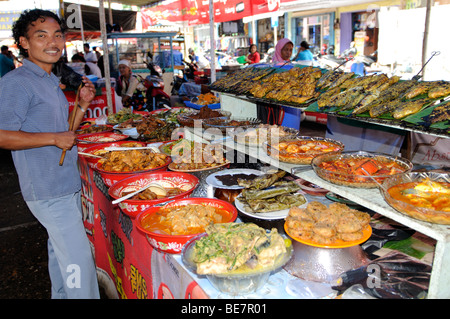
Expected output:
(249, 255)
(102, 137)
(117, 165)
(421, 195)
(190, 118)
(229, 178)
(189, 156)
(153, 129)
(168, 228)
(123, 115)
(302, 149)
(224, 124)
(170, 116)
(209, 99)
(94, 128)
(359, 169)
(333, 226)
(268, 197)
(255, 135)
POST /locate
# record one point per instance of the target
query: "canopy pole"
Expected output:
(425, 38)
(213, 41)
(111, 22)
(80, 16)
(101, 11)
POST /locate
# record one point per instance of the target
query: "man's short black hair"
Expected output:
(20, 27)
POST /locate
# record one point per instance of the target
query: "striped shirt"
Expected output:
(31, 101)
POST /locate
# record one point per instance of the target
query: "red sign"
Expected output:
(98, 107)
(197, 11)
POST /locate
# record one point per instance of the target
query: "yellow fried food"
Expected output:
(132, 160)
(326, 225)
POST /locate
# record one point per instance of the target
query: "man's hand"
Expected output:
(65, 140)
(87, 93)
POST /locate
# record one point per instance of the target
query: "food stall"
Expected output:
(159, 44)
(133, 264)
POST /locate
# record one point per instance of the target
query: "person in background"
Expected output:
(253, 56)
(89, 55)
(283, 51)
(90, 68)
(129, 87)
(192, 57)
(35, 126)
(304, 54)
(97, 52)
(6, 60)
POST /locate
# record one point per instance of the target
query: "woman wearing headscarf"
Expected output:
(283, 51)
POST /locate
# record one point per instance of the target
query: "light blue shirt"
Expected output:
(32, 101)
(305, 55)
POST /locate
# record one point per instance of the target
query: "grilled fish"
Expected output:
(440, 113)
(344, 77)
(347, 96)
(439, 91)
(365, 103)
(387, 99)
(324, 98)
(328, 78)
(381, 109)
(356, 100)
(374, 91)
(409, 107)
(423, 88)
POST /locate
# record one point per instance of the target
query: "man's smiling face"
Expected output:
(44, 42)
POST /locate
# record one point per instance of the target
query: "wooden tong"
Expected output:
(72, 122)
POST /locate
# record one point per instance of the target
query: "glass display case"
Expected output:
(164, 48)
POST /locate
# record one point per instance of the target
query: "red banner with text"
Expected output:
(197, 11)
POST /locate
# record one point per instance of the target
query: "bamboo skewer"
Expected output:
(72, 122)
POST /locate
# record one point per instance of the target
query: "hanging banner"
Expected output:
(195, 12)
(264, 6)
(7, 19)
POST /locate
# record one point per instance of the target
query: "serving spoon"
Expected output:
(372, 178)
(91, 155)
(158, 188)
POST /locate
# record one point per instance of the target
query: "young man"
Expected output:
(34, 125)
(89, 55)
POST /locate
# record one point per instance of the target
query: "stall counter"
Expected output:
(129, 268)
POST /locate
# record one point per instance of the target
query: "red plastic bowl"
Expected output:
(173, 244)
(132, 208)
(97, 147)
(110, 178)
